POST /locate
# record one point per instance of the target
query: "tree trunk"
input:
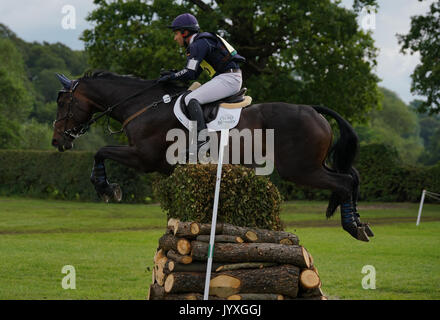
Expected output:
(252, 252)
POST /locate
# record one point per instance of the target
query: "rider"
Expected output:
(209, 52)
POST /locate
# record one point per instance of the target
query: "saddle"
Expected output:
(210, 110)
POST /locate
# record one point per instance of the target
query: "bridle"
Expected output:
(76, 131)
(82, 128)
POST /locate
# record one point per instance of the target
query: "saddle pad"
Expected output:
(226, 118)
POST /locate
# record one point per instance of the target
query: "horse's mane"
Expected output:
(107, 75)
(130, 79)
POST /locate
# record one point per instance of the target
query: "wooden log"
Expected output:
(159, 273)
(220, 238)
(242, 232)
(309, 279)
(180, 228)
(271, 236)
(195, 267)
(156, 292)
(204, 228)
(252, 252)
(256, 296)
(180, 245)
(216, 267)
(310, 293)
(168, 267)
(184, 259)
(160, 260)
(181, 282)
(311, 259)
(247, 234)
(221, 228)
(244, 265)
(281, 279)
(171, 224)
(158, 256)
(189, 296)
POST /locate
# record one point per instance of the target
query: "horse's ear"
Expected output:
(67, 84)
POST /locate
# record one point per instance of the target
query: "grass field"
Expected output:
(111, 247)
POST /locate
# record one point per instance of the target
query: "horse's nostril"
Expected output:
(54, 142)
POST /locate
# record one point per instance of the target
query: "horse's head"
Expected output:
(72, 114)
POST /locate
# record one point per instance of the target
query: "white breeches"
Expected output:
(221, 86)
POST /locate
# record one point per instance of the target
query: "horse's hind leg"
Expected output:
(342, 187)
(355, 174)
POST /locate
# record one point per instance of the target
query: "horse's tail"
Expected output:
(342, 154)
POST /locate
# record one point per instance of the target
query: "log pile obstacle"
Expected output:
(248, 264)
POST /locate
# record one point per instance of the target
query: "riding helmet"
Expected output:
(185, 21)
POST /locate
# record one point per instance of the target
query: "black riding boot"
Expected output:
(196, 114)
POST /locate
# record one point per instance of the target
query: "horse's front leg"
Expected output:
(125, 155)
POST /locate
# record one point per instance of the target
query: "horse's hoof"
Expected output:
(117, 191)
(368, 230)
(362, 235)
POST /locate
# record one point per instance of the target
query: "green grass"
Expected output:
(111, 247)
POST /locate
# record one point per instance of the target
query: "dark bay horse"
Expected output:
(302, 136)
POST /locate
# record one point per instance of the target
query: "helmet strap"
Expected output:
(186, 37)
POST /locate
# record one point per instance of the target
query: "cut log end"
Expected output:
(169, 282)
(183, 246)
(171, 265)
(251, 236)
(224, 286)
(309, 279)
(306, 257)
(195, 228)
(172, 225)
(286, 241)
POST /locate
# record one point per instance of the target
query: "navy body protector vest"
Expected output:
(220, 58)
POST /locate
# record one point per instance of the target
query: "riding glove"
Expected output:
(165, 78)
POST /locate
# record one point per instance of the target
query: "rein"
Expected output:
(81, 129)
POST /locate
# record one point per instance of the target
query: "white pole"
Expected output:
(420, 207)
(223, 143)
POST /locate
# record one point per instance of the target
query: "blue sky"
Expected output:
(41, 20)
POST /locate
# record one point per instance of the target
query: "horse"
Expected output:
(303, 138)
